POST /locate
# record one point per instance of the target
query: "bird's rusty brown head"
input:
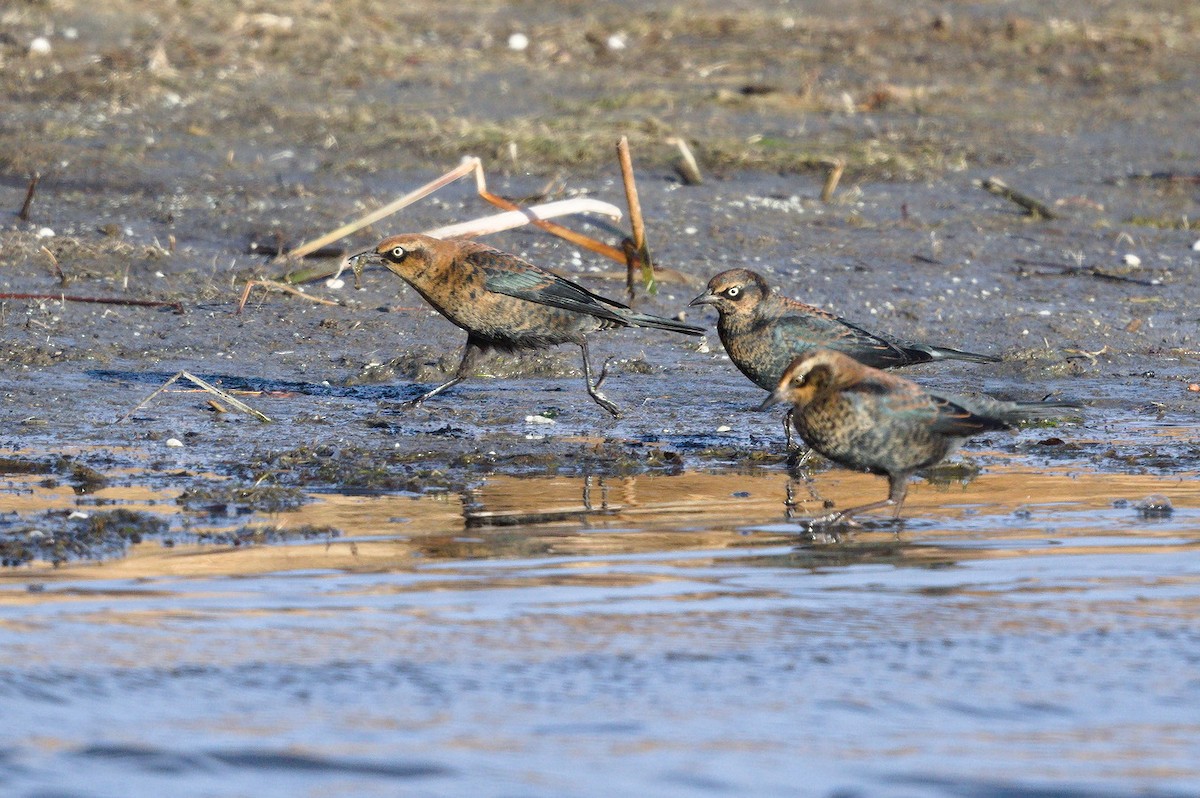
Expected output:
(401, 254)
(734, 292)
(813, 373)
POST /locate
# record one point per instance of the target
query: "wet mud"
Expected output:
(415, 596)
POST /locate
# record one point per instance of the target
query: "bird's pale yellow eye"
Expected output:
(398, 253)
(733, 292)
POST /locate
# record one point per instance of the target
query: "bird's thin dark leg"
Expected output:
(471, 355)
(897, 490)
(798, 454)
(593, 390)
(603, 372)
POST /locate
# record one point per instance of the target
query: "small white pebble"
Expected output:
(1196, 246)
(518, 42)
(40, 46)
(616, 41)
(159, 274)
(691, 231)
(78, 514)
(538, 420)
(1131, 260)
(335, 284)
(174, 443)
(70, 34)
(724, 428)
(45, 232)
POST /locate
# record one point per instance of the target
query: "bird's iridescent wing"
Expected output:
(509, 275)
(952, 418)
(813, 327)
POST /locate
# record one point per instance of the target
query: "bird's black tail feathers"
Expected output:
(946, 353)
(660, 323)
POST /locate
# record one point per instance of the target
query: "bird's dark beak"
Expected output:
(359, 259)
(772, 399)
(707, 298)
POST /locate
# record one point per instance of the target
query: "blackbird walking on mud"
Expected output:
(506, 303)
(763, 332)
(867, 419)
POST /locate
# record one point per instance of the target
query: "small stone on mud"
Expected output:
(174, 443)
(539, 420)
(518, 42)
(45, 232)
(1154, 506)
(40, 46)
(724, 428)
(335, 284)
(1131, 260)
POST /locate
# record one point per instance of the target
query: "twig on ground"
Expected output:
(23, 215)
(58, 272)
(686, 167)
(1070, 270)
(1033, 207)
(836, 167)
(272, 285)
(139, 303)
(233, 402)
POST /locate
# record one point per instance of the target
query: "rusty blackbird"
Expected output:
(505, 303)
(871, 420)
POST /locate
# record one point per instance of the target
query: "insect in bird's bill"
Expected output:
(505, 303)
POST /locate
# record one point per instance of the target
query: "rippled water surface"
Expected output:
(1028, 633)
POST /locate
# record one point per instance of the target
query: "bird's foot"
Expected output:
(832, 520)
(604, 402)
(797, 459)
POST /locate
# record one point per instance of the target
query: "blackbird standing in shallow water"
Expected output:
(870, 420)
(506, 303)
(763, 332)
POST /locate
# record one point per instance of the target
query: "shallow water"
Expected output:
(1025, 633)
(476, 627)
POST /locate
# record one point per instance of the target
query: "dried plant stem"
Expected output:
(686, 166)
(1033, 207)
(23, 215)
(58, 272)
(233, 402)
(638, 251)
(140, 303)
(836, 167)
(272, 285)
(462, 170)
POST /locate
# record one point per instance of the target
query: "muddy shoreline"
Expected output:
(155, 179)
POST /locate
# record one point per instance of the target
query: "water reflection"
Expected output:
(1006, 509)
